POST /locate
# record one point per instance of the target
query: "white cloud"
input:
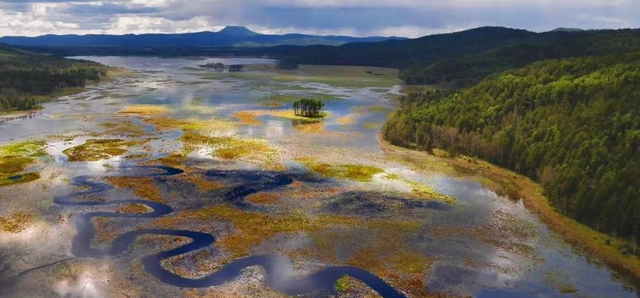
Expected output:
(346, 17)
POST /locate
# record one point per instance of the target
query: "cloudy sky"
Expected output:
(411, 18)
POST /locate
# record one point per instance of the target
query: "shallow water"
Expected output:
(484, 245)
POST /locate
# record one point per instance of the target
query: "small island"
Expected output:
(310, 108)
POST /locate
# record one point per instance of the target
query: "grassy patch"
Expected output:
(144, 110)
(14, 160)
(133, 208)
(356, 172)
(25, 148)
(263, 198)
(190, 124)
(233, 148)
(309, 127)
(122, 128)
(202, 183)
(143, 187)
(346, 120)
(372, 125)
(422, 190)
(250, 117)
(98, 149)
(16, 223)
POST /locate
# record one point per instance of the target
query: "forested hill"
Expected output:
(24, 75)
(573, 125)
(461, 59)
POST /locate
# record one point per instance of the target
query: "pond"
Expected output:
(173, 180)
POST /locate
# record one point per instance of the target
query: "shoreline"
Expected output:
(112, 73)
(506, 182)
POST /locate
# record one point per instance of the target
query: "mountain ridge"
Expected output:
(230, 36)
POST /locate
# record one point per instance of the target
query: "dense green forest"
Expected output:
(572, 124)
(24, 75)
(461, 59)
(452, 60)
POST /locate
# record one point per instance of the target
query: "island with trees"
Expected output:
(310, 108)
(215, 66)
(236, 67)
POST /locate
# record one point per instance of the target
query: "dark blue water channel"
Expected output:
(277, 267)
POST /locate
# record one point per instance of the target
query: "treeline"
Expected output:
(461, 59)
(308, 107)
(573, 125)
(24, 74)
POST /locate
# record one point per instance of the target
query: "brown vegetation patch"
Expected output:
(202, 183)
(143, 187)
(133, 208)
(16, 222)
(263, 198)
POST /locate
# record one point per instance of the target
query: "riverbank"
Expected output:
(112, 74)
(506, 182)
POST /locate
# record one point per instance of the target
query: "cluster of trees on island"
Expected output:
(23, 75)
(220, 67)
(572, 124)
(308, 108)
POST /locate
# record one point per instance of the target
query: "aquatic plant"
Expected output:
(356, 172)
(233, 148)
(98, 149)
(144, 110)
(144, 187)
(250, 117)
(16, 222)
(14, 160)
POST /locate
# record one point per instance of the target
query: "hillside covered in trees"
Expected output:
(572, 124)
(24, 75)
(461, 59)
(451, 60)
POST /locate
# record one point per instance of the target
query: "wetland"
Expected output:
(172, 180)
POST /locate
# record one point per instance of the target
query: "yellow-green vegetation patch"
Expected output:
(98, 149)
(422, 190)
(14, 160)
(233, 148)
(254, 227)
(363, 173)
(250, 117)
(144, 110)
(122, 128)
(25, 148)
(341, 76)
(192, 124)
(377, 109)
(372, 125)
(16, 222)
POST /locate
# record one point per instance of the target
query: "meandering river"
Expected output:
(215, 190)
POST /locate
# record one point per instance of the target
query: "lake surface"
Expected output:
(259, 203)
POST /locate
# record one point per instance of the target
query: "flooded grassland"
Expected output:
(175, 181)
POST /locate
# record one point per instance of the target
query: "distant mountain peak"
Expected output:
(237, 31)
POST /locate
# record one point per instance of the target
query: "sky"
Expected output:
(409, 18)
